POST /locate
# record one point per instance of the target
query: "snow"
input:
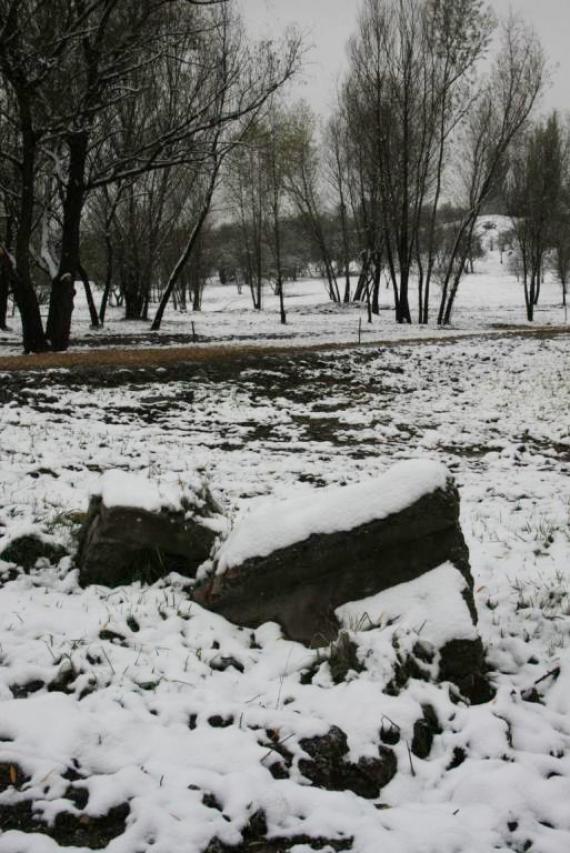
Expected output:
(121, 489)
(277, 525)
(493, 410)
(431, 606)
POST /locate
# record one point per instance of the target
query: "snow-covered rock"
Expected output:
(137, 529)
(434, 635)
(295, 561)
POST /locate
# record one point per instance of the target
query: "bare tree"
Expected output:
(500, 112)
(304, 187)
(410, 84)
(533, 189)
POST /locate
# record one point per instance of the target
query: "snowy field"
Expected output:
(490, 298)
(185, 731)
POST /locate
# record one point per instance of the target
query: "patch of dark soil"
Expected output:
(545, 447)
(11, 776)
(254, 840)
(312, 480)
(64, 680)
(221, 664)
(390, 733)
(219, 722)
(78, 796)
(27, 550)
(280, 767)
(343, 658)
(532, 695)
(212, 802)
(321, 429)
(69, 830)
(467, 451)
(261, 432)
(327, 767)
(22, 691)
(463, 663)
(133, 625)
(406, 667)
(425, 730)
(113, 637)
(457, 759)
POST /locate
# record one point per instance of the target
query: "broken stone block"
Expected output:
(295, 561)
(140, 530)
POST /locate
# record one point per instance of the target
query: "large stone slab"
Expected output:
(138, 530)
(295, 562)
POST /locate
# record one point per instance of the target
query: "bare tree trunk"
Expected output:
(94, 317)
(376, 286)
(4, 292)
(63, 286)
(188, 249)
(34, 338)
(108, 281)
(5, 281)
(421, 320)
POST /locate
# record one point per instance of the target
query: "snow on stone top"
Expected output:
(122, 489)
(431, 605)
(279, 524)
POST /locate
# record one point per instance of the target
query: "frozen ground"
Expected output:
(491, 297)
(135, 696)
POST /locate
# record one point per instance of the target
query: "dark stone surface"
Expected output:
(121, 544)
(300, 586)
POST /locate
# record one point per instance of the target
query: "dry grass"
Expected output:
(164, 356)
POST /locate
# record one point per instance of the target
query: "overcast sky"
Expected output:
(328, 24)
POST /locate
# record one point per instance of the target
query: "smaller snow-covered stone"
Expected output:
(432, 605)
(434, 630)
(137, 529)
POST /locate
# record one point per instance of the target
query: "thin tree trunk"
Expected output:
(376, 286)
(368, 302)
(188, 249)
(94, 317)
(108, 281)
(4, 292)
(420, 290)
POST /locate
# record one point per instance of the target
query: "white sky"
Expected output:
(328, 24)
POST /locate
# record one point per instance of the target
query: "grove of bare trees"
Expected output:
(123, 122)
(106, 106)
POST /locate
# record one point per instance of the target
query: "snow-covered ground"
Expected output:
(148, 702)
(490, 297)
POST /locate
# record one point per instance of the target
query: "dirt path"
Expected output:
(206, 354)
